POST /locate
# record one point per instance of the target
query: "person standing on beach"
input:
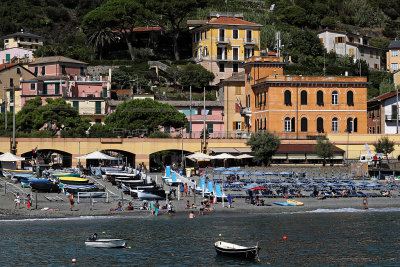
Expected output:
(201, 210)
(156, 208)
(365, 203)
(71, 201)
(17, 201)
(28, 201)
(185, 189)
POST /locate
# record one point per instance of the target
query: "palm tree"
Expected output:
(102, 38)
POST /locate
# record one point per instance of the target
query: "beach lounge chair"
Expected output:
(218, 192)
(173, 177)
(168, 172)
(210, 187)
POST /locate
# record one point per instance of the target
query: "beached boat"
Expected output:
(284, 203)
(10, 171)
(297, 203)
(45, 187)
(70, 188)
(149, 193)
(105, 243)
(73, 180)
(66, 174)
(232, 250)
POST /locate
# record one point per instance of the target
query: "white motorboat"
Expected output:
(105, 243)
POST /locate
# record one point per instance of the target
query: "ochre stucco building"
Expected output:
(302, 107)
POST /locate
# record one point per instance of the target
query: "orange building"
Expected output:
(302, 107)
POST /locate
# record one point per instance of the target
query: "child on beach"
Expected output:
(71, 201)
(28, 201)
(365, 203)
(17, 201)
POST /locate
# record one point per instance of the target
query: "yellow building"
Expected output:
(234, 95)
(89, 107)
(24, 40)
(393, 56)
(10, 89)
(223, 43)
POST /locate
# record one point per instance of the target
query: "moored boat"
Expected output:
(95, 242)
(73, 180)
(45, 187)
(233, 250)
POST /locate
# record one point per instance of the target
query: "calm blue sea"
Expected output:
(345, 237)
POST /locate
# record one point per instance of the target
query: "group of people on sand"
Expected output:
(17, 201)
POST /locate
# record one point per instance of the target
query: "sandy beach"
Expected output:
(53, 205)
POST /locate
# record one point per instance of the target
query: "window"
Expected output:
(320, 98)
(221, 67)
(248, 52)
(378, 112)
(394, 66)
(221, 52)
(205, 34)
(288, 96)
(33, 86)
(235, 53)
(235, 67)
(355, 125)
(265, 98)
(98, 107)
(350, 101)
(188, 128)
(293, 124)
(205, 52)
(11, 82)
(378, 130)
(376, 66)
(362, 52)
(210, 128)
(249, 36)
(237, 125)
(56, 88)
(235, 34)
(335, 124)
(238, 90)
(221, 35)
(36, 71)
(105, 92)
(287, 125)
(304, 124)
(394, 112)
(349, 127)
(82, 71)
(63, 70)
(11, 96)
(11, 109)
(75, 104)
(339, 40)
(303, 97)
(43, 70)
(209, 111)
(44, 89)
(261, 123)
(167, 129)
(18, 71)
(335, 98)
(320, 125)
(395, 53)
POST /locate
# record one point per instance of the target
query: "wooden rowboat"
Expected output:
(232, 250)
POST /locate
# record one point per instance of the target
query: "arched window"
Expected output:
(304, 125)
(320, 125)
(288, 98)
(355, 125)
(350, 100)
(293, 124)
(265, 123)
(349, 127)
(335, 100)
(335, 125)
(287, 124)
(261, 121)
(265, 98)
(303, 97)
(320, 98)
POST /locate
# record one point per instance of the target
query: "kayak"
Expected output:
(297, 203)
(284, 204)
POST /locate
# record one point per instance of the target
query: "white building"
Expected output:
(16, 55)
(343, 43)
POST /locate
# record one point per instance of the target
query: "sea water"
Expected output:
(345, 237)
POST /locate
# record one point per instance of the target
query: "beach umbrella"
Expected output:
(257, 173)
(252, 185)
(243, 173)
(10, 157)
(234, 169)
(244, 156)
(228, 173)
(219, 169)
(97, 155)
(223, 156)
(199, 156)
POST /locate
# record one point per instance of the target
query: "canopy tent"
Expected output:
(9, 160)
(244, 156)
(10, 157)
(97, 155)
(199, 156)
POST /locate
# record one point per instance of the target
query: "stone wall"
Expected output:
(100, 70)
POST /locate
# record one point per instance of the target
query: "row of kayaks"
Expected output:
(289, 202)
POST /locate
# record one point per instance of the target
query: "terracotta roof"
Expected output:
(56, 59)
(237, 77)
(383, 97)
(394, 44)
(147, 29)
(7, 66)
(329, 30)
(302, 148)
(232, 21)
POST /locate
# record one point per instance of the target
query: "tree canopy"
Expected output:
(195, 75)
(384, 145)
(324, 149)
(264, 144)
(145, 114)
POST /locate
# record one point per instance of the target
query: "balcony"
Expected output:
(222, 58)
(391, 117)
(250, 42)
(245, 112)
(222, 41)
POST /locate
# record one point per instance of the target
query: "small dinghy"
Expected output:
(232, 250)
(95, 242)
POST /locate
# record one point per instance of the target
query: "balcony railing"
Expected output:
(391, 117)
(221, 41)
(248, 41)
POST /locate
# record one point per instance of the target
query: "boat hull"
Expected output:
(45, 187)
(242, 252)
(143, 195)
(106, 243)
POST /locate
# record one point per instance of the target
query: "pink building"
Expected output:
(16, 55)
(214, 118)
(64, 77)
